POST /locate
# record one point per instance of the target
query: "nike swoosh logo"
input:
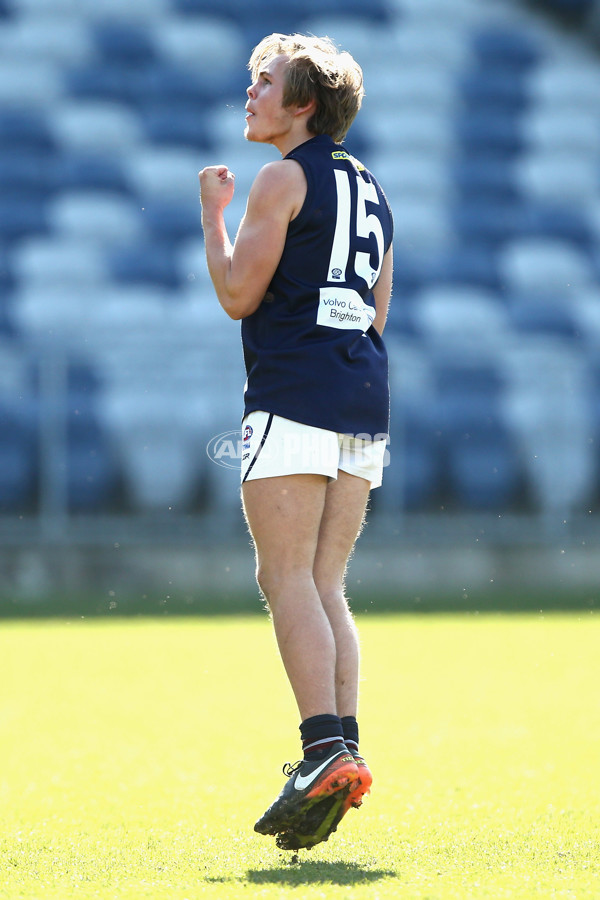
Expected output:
(304, 781)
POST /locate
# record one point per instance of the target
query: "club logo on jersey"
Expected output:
(248, 432)
(336, 273)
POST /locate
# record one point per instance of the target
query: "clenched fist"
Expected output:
(216, 187)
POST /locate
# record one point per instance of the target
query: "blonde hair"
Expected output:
(317, 70)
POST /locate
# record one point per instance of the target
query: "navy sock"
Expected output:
(350, 727)
(319, 734)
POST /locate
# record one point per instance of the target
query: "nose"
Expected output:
(250, 91)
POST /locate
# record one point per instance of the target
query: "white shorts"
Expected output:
(272, 446)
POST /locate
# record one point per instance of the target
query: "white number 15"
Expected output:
(361, 224)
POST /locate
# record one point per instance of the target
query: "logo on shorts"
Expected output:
(225, 449)
(248, 432)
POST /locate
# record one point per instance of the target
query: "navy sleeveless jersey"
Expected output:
(310, 350)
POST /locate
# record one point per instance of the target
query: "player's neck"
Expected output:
(292, 139)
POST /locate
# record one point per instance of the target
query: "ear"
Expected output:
(308, 109)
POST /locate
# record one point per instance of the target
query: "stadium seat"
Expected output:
(424, 229)
(154, 451)
(461, 318)
(554, 220)
(31, 84)
(509, 46)
(134, 10)
(151, 262)
(18, 455)
(120, 43)
(490, 131)
(467, 395)
(205, 43)
(172, 221)
(487, 220)
(168, 82)
(480, 176)
(25, 129)
(7, 279)
(45, 7)
(89, 171)
(46, 37)
(410, 130)
(559, 176)
(585, 307)
(473, 264)
(99, 216)
(544, 267)
(55, 261)
(22, 213)
(176, 124)
(409, 83)
(551, 316)
(414, 39)
(418, 175)
(94, 127)
(413, 478)
(168, 172)
(91, 467)
(500, 88)
(562, 129)
(565, 83)
(29, 169)
(482, 467)
(107, 84)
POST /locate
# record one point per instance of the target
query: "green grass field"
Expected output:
(135, 756)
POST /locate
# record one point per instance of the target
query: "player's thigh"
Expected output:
(284, 515)
(341, 522)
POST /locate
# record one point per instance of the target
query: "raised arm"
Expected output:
(241, 272)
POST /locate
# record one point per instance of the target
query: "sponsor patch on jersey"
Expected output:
(248, 432)
(344, 308)
(341, 154)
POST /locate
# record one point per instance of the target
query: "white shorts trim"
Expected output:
(274, 446)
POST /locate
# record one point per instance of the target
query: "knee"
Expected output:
(279, 583)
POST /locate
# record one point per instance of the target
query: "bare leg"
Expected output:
(342, 519)
(284, 516)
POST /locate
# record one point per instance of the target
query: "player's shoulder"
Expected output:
(279, 173)
(279, 179)
(279, 184)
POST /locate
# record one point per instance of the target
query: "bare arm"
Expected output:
(241, 272)
(383, 291)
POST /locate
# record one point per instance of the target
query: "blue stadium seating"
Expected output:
(482, 466)
(92, 472)
(150, 262)
(508, 46)
(123, 43)
(414, 474)
(18, 455)
(22, 129)
(177, 122)
(86, 171)
(485, 125)
(22, 213)
(541, 317)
